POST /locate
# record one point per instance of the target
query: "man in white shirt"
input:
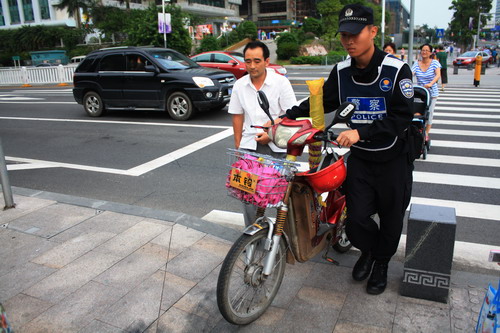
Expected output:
(246, 111)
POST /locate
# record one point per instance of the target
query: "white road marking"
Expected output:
(462, 98)
(465, 133)
(465, 103)
(466, 123)
(455, 109)
(135, 171)
(462, 160)
(27, 102)
(456, 180)
(17, 98)
(462, 209)
(116, 122)
(465, 115)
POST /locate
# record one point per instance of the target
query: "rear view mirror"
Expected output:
(264, 104)
(343, 114)
(150, 68)
(233, 63)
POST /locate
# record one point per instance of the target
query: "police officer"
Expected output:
(379, 170)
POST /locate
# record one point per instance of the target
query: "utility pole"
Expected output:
(410, 37)
(382, 42)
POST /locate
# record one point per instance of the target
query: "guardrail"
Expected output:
(27, 76)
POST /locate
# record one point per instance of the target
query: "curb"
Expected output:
(467, 256)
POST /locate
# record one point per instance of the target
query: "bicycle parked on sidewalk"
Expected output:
(305, 223)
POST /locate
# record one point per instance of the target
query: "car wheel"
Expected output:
(92, 103)
(179, 106)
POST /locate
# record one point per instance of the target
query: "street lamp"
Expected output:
(478, 28)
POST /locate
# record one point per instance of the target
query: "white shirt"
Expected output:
(279, 93)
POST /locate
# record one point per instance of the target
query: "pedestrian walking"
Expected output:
(246, 111)
(379, 170)
(428, 71)
(442, 57)
(390, 48)
(402, 53)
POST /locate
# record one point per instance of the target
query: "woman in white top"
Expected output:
(428, 72)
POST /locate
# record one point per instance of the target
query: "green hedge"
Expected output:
(287, 50)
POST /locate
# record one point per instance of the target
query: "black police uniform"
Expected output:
(379, 172)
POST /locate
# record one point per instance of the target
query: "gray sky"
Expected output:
(434, 12)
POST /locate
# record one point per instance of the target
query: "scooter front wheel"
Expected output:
(243, 292)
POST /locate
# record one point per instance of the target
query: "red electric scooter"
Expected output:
(304, 225)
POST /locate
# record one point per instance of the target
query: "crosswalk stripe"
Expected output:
(465, 145)
(461, 98)
(465, 123)
(469, 110)
(438, 102)
(462, 209)
(462, 115)
(456, 180)
(461, 160)
(465, 133)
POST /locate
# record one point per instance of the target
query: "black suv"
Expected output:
(139, 78)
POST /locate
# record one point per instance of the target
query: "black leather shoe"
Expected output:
(363, 267)
(378, 279)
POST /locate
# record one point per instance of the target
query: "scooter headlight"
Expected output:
(283, 134)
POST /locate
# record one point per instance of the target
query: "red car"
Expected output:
(468, 58)
(229, 61)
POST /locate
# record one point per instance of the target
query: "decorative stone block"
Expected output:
(430, 243)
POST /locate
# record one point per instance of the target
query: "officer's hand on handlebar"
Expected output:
(262, 138)
(348, 138)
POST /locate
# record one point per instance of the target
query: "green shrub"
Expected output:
(247, 29)
(287, 50)
(286, 37)
(313, 60)
(208, 43)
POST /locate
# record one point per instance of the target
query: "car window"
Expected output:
(136, 62)
(221, 58)
(202, 58)
(112, 63)
(172, 60)
(469, 54)
(485, 54)
(87, 65)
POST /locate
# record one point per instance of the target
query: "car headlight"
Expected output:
(281, 70)
(203, 82)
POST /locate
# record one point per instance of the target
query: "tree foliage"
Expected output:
(247, 29)
(73, 8)
(142, 29)
(208, 43)
(463, 11)
(313, 25)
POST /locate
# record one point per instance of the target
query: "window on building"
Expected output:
(213, 3)
(44, 9)
(28, 11)
(14, 11)
(2, 19)
(273, 7)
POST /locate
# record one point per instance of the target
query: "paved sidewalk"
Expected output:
(71, 264)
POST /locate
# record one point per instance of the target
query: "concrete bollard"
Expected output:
(455, 69)
(429, 252)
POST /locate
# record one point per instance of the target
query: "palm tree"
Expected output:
(73, 8)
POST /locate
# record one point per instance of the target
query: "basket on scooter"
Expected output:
(258, 179)
(421, 104)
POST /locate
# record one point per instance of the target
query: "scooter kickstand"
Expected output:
(327, 258)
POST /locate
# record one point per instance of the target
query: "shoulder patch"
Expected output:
(406, 86)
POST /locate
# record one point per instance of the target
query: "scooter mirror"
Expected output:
(343, 114)
(264, 104)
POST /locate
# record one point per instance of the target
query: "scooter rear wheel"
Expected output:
(243, 292)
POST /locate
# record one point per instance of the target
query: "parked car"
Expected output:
(76, 60)
(229, 61)
(149, 78)
(469, 57)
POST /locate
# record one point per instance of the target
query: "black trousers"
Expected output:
(383, 188)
